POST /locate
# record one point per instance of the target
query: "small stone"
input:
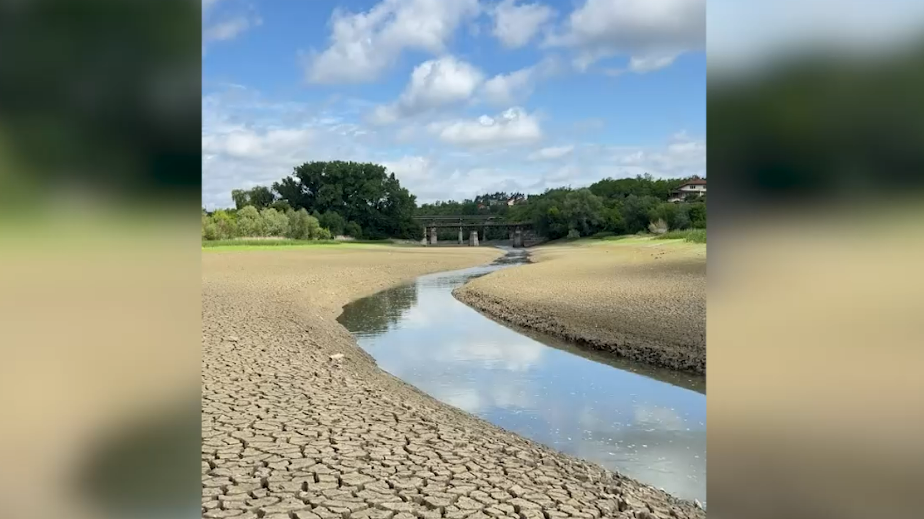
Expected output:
(336, 357)
(233, 338)
(698, 504)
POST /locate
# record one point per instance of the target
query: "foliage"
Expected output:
(275, 223)
(690, 235)
(249, 222)
(333, 222)
(364, 193)
(353, 229)
(259, 197)
(268, 223)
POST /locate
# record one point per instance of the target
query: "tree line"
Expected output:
(321, 200)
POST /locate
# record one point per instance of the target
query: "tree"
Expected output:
(583, 211)
(249, 222)
(225, 225)
(698, 215)
(303, 226)
(353, 229)
(260, 197)
(333, 222)
(274, 222)
(364, 193)
(636, 212)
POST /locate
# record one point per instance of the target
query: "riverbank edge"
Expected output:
(629, 347)
(690, 504)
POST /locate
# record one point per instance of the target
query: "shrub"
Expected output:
(274, 222)
(573, 234)
(353, 229)
(249, 222)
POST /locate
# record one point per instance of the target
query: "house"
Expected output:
(695, 186)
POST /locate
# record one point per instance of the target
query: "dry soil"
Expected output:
(298, 422)
(641, 299)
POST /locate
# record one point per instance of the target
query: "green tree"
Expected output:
(260, 197)
(364, 193)
(249, 222)
(697, 213)
(274, 222)
(353, 229)
(225, 224)
(583, 211)
(333, 222)
(636, 211)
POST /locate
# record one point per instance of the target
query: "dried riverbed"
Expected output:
(297, 421)
(639, 299)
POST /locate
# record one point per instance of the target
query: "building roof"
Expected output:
(695, 182)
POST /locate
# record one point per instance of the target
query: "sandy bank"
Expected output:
(291, 429)
(640, 299)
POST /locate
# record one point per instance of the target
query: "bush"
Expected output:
(249, 222)
(353, 229)
(690, 235)
(573, 234)
(274, 222)
(333, 222)
(658, 226)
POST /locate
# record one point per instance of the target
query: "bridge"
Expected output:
(472, 222)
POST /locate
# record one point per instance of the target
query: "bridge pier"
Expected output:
(473, 239)
(423, 241)
(518, 238)
(461, 239)
(432, 235)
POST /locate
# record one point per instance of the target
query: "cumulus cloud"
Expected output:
(512, 127)
(363, 45)
(433, 84)
(514, 87)
(551, 153)
(515, 25)
(648, 30)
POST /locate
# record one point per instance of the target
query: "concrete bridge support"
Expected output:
(424, 240)
(461, 238)
(432, 235)
(473, 239)
(518, 238)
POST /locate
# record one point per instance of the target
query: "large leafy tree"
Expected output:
(364, 193)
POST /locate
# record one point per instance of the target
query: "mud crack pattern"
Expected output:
(299, 423)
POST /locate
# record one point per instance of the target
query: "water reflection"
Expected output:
(645, 423)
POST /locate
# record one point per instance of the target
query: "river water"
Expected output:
(645, 423)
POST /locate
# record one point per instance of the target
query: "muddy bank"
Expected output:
(643, 300)
(297, 419)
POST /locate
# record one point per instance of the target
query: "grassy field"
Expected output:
(264, 244)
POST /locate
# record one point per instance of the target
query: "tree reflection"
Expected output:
(374, 315)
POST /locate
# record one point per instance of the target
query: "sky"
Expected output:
(456, 97)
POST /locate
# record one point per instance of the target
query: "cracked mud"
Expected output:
(298, 422)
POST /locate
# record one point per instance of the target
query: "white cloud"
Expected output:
(515, 25)
(362, 45)
(512, 127)
(227, 25)
(514, 87)
(228, 29)
(433, 84)
(551, 153)
(411, 170)
(638, 28)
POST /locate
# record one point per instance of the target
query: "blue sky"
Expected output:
(457, 97)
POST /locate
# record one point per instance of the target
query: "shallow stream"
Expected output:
(646, 423)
